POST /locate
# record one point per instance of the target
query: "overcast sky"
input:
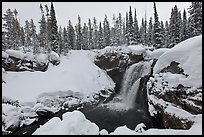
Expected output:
(70, 10)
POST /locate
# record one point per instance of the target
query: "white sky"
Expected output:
(70, 10)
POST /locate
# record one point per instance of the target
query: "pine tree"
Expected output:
(71, 36)
(43, 33)
(78, 34)
(22, 37)
(95, 33)
(85, 36)
(162, 33)
(16, 31)
(166, 35)
(143, 32)
(90, 35)
(27, 36)
(120, 29)
(131, 29)
(157, 37)
(195, 11)
(106, 32)
(184, 29)
(33, 37)
(53, 29)
(150, 33)
(175, 27)
(61, 44)
(136, 30)
(65, 40)
(11, 28)
(100, 43)
(127, 29)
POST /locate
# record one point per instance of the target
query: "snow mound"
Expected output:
(76, 72)
(189, 56)
(135, 49)
(123, 130)
(54, 56)
(4, 55)
(15, 53)
(73, 123)
(158, 52)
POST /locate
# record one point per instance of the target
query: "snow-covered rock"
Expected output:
(189, 56)
(123, 130)
(73, 123)
(140, 127)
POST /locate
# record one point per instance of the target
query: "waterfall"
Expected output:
(130, 85)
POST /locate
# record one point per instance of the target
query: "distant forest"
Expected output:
(96, 35)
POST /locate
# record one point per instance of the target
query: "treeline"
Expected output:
(97, 35)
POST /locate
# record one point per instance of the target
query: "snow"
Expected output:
(75, 72)
(4, 55)
(158, 52)
(103, 132)
(189, 56)
(135, 49)
(15, 53)
(41, 58)
(73, 123)
(54, 56)
(123, 130)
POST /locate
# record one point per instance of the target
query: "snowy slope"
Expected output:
(189, 54)
(76, 72)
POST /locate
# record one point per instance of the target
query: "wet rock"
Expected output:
(43, 113)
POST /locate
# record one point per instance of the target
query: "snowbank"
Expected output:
(135, 49)
(189, 56)
(158, 52)
(73, 123)
(75, 72)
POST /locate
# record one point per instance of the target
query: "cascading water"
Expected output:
(129, 107)
(126, 98)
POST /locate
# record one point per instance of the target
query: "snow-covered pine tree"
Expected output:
(10, 24)
(100, 43)
(127, 29)
(175, 26)
(48, 43)
(27, 36)
(157, 37)
(162, 33)
(124, 33)
(184, 27)
(90, 35)
(166, 35)
(33, 37)
(42, 36)
(131, 29)
(71, 36)
(53, 29)
(120, 29)
(106, 32)
(65, 40)
(61, 44)
(16, 31)
(150, 33)
(85, 36)
(113, 32)
(195, 11)
(95, 33)
(136, 30)
(78, 34)
(143, 32)
(22, 37)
